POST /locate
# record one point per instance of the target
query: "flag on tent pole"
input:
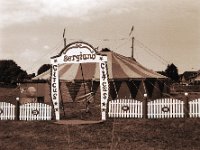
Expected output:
(131, 30)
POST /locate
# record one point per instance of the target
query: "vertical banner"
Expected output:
(55, 90)
(103, 86)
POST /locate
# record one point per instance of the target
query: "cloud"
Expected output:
(22, 11)
(27, 53)
(29, 59)
(46, 47)
(33, 10)
(34, 39)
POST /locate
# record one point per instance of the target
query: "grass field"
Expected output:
(113, 134)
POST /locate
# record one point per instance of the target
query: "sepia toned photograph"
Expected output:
(99, 75)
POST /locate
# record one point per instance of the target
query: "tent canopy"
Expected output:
(119, 68)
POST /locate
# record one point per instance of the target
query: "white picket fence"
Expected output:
(35, 111)
(125, 108)
(166, 108)
(194, 108)
(7, 111)
(119, 108)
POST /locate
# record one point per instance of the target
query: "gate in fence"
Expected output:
(125, 108)
(7, 111)
(166, 108)
(194, 108)
(35, 111)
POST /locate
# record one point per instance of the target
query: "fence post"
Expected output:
(186, 106)
(17, 108)
(144, 107)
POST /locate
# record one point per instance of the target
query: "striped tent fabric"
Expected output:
(119, 67)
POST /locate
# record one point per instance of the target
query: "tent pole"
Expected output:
(137, 88)
(144, 86)
(132, 47)
(64, 38)
(63, 108)
(115, 88)
(83, 77)
(91, 89)
(87, 102)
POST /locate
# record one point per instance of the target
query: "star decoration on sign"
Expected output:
(103, 110)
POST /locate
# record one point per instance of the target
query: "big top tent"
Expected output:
(127, 79)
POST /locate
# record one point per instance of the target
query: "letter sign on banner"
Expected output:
(79, 52)
(55, 89)
(103, 86)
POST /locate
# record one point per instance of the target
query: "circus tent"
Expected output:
(127, 79)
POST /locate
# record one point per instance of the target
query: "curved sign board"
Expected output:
(79, 52)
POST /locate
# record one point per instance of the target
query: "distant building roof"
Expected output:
(197, 78)
(187, 75)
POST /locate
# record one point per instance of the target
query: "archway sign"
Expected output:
(79, 52)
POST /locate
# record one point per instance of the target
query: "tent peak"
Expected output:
(105, 50)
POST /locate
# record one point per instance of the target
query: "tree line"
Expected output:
(171, 72)
(11, 73)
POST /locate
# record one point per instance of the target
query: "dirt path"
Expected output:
(76, 122)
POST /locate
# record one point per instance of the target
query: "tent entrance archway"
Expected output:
(79, 52)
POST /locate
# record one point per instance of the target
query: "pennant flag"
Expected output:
(131, 30)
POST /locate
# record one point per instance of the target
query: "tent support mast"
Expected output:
(132, 47)
(64, 38)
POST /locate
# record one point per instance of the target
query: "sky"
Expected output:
(165, 31)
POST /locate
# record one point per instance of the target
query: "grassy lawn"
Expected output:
(112, 134)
